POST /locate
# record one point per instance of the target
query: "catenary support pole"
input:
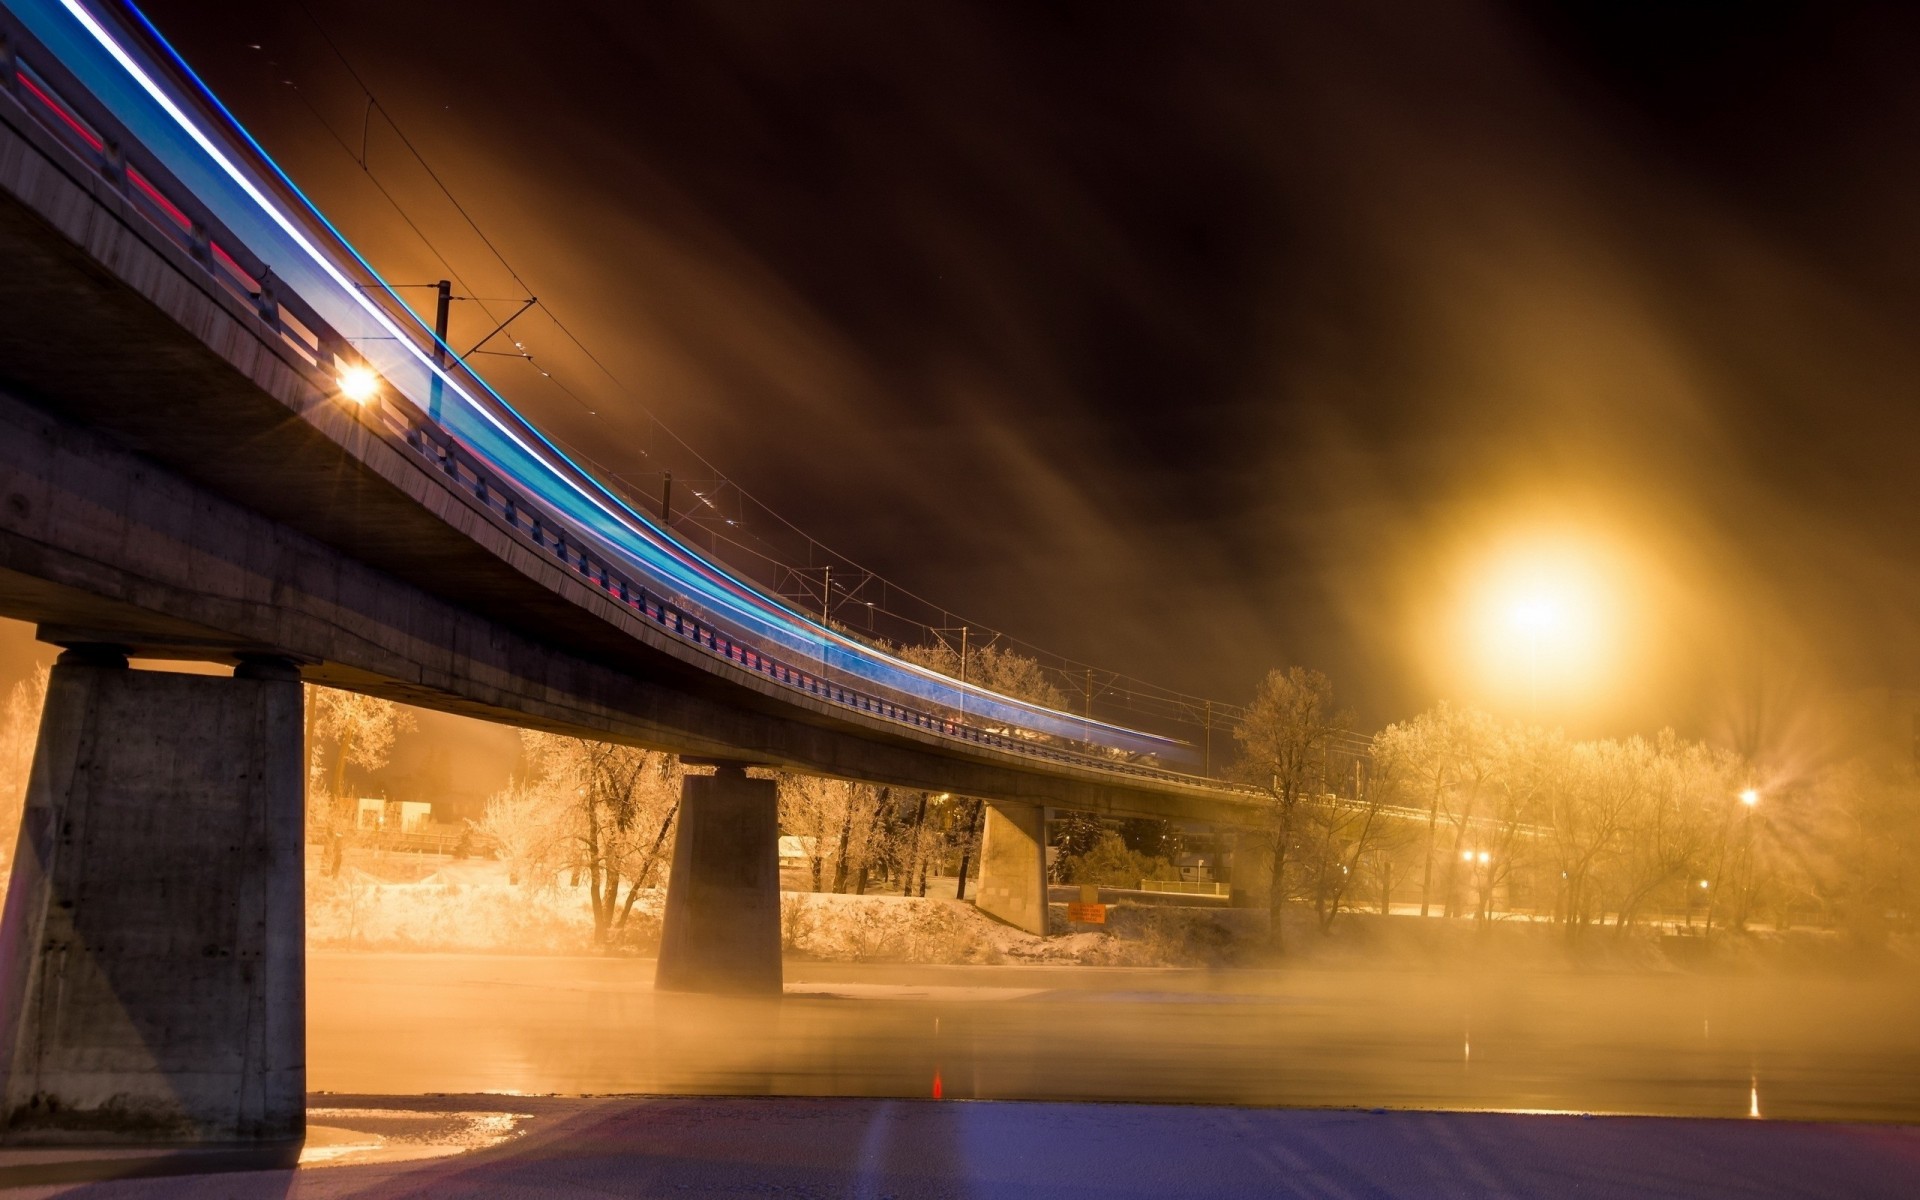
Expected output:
(442, 306)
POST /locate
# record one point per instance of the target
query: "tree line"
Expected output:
(1472, 816)
(1453, 813)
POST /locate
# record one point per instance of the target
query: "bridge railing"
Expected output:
(62, 105)
(466, 472)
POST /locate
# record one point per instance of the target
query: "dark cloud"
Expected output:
(1195, 339)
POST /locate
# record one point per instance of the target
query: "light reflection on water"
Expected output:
(1659, 1044)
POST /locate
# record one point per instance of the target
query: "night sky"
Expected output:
(1195, 339)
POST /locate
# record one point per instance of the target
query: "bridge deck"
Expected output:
(179, 477)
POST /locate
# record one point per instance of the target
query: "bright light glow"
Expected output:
(1535, 615)
(1539, 624)
(359, 384)
(1466, 856)
(1750, 797)
(1485, 857)
(1703, 883)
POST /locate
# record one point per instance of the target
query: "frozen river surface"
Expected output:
(1800, 1049)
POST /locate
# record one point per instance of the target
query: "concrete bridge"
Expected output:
(182, 476)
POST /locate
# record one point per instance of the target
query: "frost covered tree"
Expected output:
(346, 729)
(19, 731)
(992, 667)
(621, 803)
(840, 826)
(1289, 730)
(527, 821)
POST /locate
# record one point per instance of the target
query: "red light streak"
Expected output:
(61, 111)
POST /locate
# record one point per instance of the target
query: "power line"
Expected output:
(1117, 686)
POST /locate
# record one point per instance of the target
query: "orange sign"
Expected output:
(1087, 914)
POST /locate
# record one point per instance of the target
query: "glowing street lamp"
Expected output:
(359, 384)
(1535, 616)
(1541, 612)
(1750, 797)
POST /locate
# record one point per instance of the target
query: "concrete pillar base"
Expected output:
(1013, 865)
(152, 956)
(1250, 882)
(721, 931)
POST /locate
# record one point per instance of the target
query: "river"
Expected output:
(1668, 1044)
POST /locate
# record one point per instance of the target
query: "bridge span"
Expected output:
(223, 438)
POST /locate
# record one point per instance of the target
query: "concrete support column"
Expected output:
(1013, 865)
(721, 930)
(1250, 882)
(152, 955)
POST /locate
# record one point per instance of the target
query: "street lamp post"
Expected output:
(1750, 799)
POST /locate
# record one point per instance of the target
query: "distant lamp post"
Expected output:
(1750, 797)
(1480, 879)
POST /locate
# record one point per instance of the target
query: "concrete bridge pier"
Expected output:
(721, 930)
(1013, 865)
(152, 955)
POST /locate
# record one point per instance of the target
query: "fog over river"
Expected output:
(1671, 1044)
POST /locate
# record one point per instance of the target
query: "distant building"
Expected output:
(1196, 868)
(394, 816)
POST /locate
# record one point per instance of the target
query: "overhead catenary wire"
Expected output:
(363, 161)
(1115, 688)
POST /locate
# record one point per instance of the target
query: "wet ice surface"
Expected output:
(1819, 1049)
(351, 1136)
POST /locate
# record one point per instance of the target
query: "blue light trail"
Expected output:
(199, 141)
